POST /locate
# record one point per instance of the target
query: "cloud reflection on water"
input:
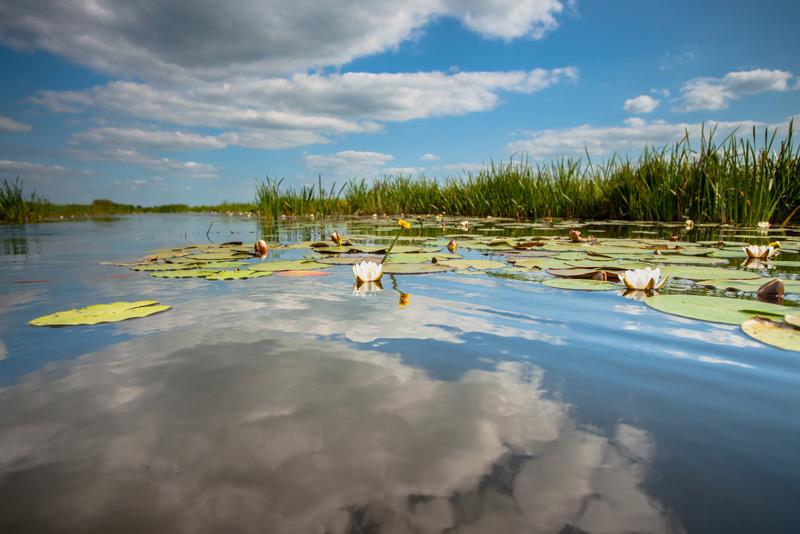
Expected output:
(202, 429)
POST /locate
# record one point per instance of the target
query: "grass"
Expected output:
(740, 180)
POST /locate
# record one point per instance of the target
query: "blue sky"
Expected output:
(192, 101)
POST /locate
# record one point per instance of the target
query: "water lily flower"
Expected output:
(368, 271)
(464, 225)
(452, 246)
(759, 252)
(438, 217)
(689, 224)
(261, 249)
(374, 215)
(644, 279)
(362, 289)
(404, 224)
(336, 238)
(763, 225)
(775, 244)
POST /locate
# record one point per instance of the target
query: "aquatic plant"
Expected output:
(14, 207)
(743, 180)
(645, 279)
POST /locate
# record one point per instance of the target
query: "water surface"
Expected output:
(286, 404)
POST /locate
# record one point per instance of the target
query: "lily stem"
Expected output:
(383, 260)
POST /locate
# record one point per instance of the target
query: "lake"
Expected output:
(469, 401)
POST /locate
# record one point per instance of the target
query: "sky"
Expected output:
(194, 101)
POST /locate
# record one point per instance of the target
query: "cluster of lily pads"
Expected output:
(686, 278)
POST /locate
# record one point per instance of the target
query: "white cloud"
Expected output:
(10, 125)
(632, 136)
(641, 104)
(165, 41)
(429, 157)
(349, 163)
(717, 93)
(680, 59)
(299, 110)
(27, 168)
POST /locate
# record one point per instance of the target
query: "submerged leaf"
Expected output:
(101, 313)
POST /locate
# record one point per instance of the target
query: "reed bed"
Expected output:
(742, 179)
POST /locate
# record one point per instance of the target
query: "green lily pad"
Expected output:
(688, 260)
(784, 263)
(773, 333)
(715, 309)
(580, 284)
(790, 286)
(416, 268)
(696, 251)
(348, 260)
(287, 265)
(237, 275)
(473, 264)
(722, 253)
(470, 271)
(793, 320)
(155, 267)
(223, 264)
(541, 263)
(216, 256)
(696, 272)
(101, 313)
(184, 273)
(422, 257)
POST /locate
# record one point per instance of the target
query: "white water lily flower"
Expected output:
(760, 252)
(644, 279)
(368, 271)
(763, 225)
(689, 224)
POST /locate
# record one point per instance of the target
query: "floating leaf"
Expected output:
(348, 260)
(573, 273)
(422, 257)
(580, 284)
(287, 265)
(161, 267)
(689, 260)
(223, 264)
(714, 309)
(696, 272)
(793, 320)
(541, 263)
(237, 275)
(790, 286)
(184, 273)
(216, 256)
(474, 264)
(784, 263)
(773, 333)
(416, 268)
(101, 313)
(303, 273)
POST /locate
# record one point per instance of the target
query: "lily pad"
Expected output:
(773, 333)
(155, 267)
(793, 320)
(790, 286)
(184, 273)
(473, 264)
(580, 284)
(416, 268)
(217, 256)
(101, 313)
(287, 265)
(348, 260)
(697, 272)
(688, 260)
(541, 263)
(715, 309)
(422, 257)
(237, 275)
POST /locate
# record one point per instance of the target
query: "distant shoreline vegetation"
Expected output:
(736, 181)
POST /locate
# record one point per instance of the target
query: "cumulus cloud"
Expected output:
(27, 168)
(429, 157)
(348, 162)
(208, 39)
(717, 93)
(641, 104)
(10, 125)
(633, 135)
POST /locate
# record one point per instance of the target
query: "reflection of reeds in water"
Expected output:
(741, 179)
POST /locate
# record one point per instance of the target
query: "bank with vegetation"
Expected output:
(741, 179)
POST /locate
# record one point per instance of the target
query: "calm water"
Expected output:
(286, 404)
